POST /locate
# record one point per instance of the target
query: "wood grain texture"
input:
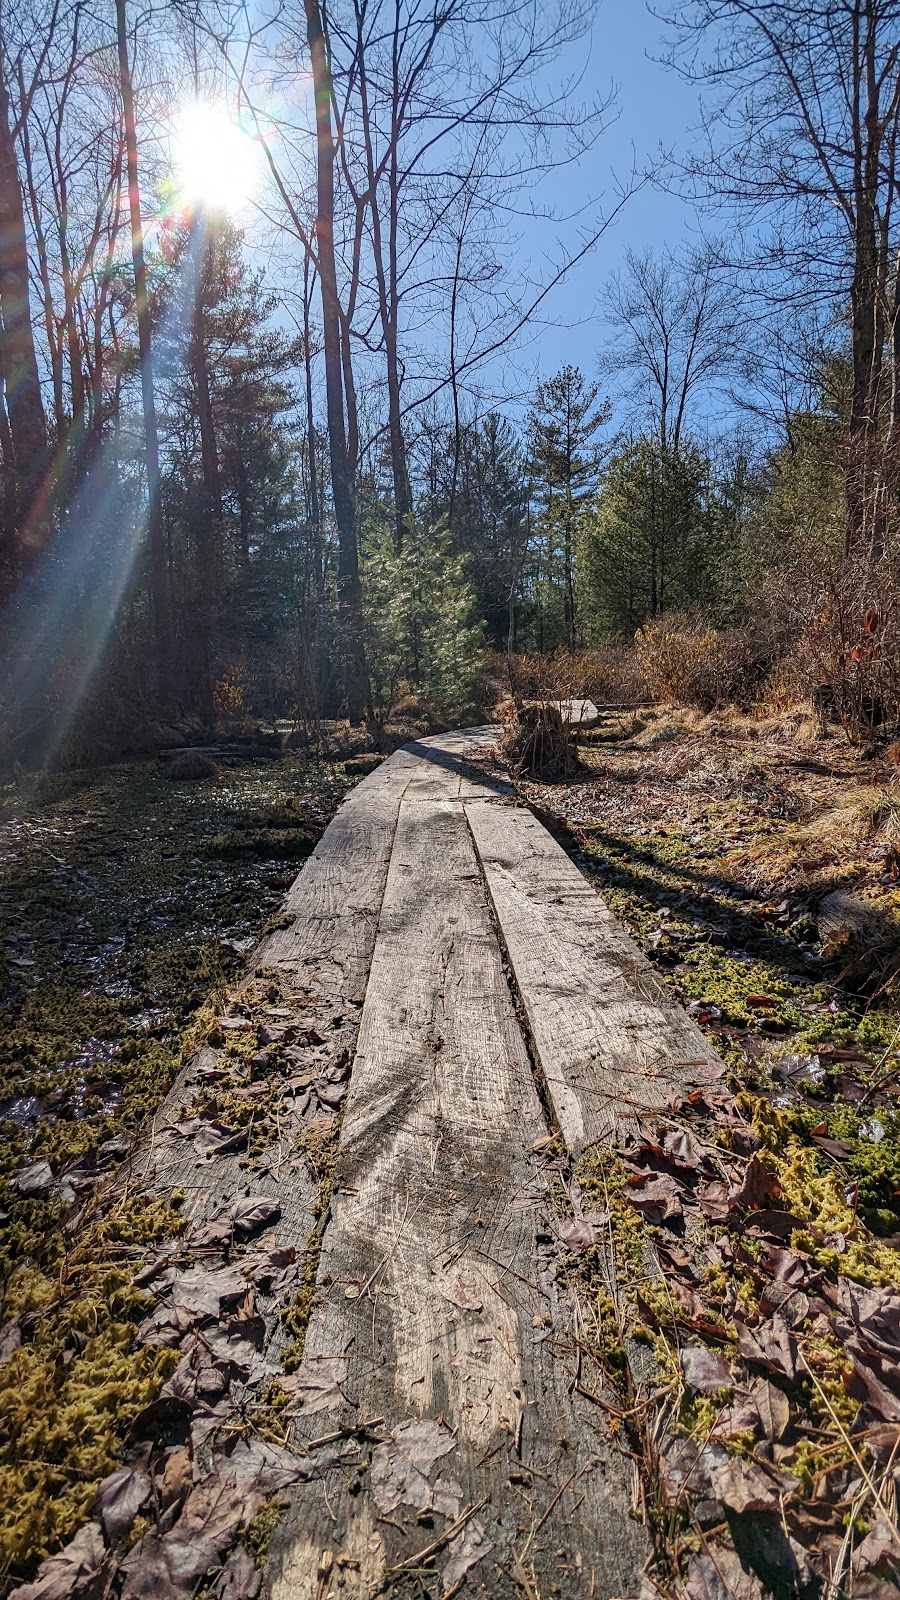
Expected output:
(610, 1038)
(323, 958)
(437, 1295)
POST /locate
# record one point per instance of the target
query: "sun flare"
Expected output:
(216, 162)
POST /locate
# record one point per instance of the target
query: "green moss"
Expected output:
(258, 1535)
(121, 972)
(70, 1394)
(319, 1147)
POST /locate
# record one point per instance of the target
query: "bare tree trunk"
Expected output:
(387, 280)
(209, 573)
(24, 532)
(349, 589)
(155, 535)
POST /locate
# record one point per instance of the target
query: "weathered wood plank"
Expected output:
(610, 1038)
(322, 958)
(437, 1294)
(579, 713)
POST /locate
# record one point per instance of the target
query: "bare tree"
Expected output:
(673, 328)
(155, 533)
(803, 139)
(349, 590)
(24, 429)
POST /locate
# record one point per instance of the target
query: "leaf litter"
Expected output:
(751, 1247)
(133, 1343)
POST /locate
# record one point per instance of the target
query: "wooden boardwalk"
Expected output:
(445, 908)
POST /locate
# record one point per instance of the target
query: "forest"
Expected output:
(449, 799)
(257, 458)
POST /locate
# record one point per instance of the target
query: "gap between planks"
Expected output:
(437, 1293)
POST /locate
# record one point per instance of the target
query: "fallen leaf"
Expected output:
(839, 1149)
(878, 1545)
(317, 1385)
(178, 1475)
(577, 1233)
(874, 1378)
(773, 1224)
(168, 1566)
(121, 1496)
(876, 1312)
(215, 1140)
(770, 1345)
(10, 1340)
(241, 1578)
(401, 1465)
(718, 1574)
(714, 1200)
(787, 1298)
(772, 1406)
(758, 1184)
(206, 1291)
(330, 1094)
(252, 1213)
(657, 1197)
(214, 1235)
(684, 1148)
(704, 1371)
(685, 1468)
(271, 1271)
(200, 1377)
(466, 1548)
(167, 1325)
(744, 1486)
(70, 1571)
(36, 1179)
(459, 1289)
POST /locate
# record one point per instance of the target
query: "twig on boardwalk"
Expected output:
(552, 1507)
(523, 1578)
(348, 1432)
(421, 1556)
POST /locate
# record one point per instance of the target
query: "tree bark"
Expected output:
(349, 588)
(159, 594)
(24, 532)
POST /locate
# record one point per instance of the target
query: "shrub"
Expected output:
(689, 663)
(607, 674)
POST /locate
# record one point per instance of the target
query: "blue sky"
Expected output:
(654, 108)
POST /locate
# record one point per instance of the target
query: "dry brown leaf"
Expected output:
(10, 1340)
(401, 1465)
(704, 1370)
(466, 1548)
(717, 1574)
(771, 1345)
(121, 1496)
(252, 1213)
(71, 1571)
(317, 1385)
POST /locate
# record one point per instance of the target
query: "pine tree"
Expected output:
(565, 421)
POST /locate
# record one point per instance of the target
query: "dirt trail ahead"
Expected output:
(503, 1010)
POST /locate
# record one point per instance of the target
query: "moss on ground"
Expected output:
(119, 934)
(717, 857)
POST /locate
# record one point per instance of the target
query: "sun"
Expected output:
(216, 163)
